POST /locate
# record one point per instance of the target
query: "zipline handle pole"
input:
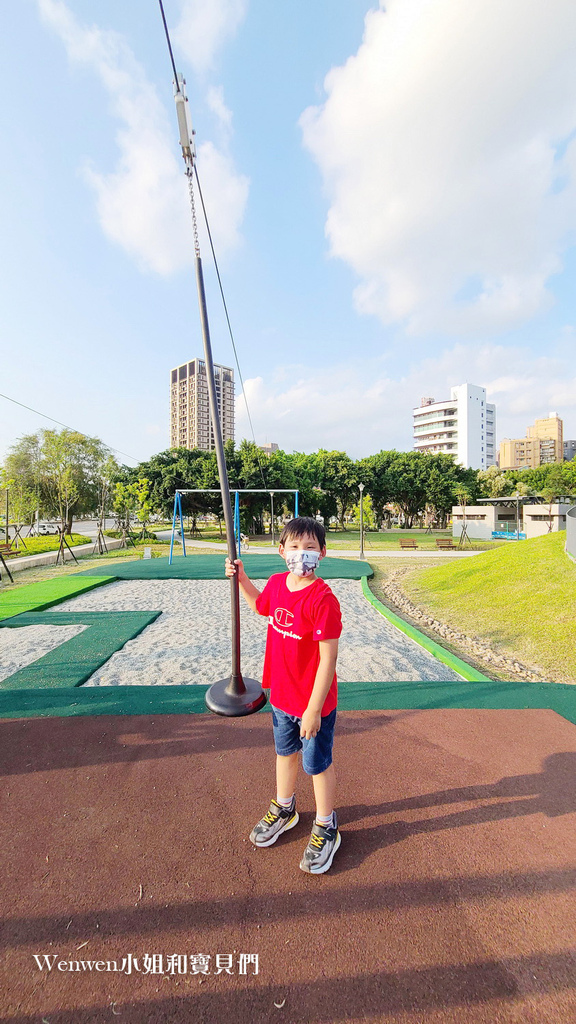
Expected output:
(233, 696)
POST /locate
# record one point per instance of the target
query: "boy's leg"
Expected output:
(325, 792)
(286, 772)
(282, 814)
(317, 762)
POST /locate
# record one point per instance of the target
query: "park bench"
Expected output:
(407, 543)
(6, 549)
(445, 543)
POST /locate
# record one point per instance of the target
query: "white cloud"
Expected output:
(205, 27)
(447, 151)
(215, 100)
(143, 204)
(364, 409)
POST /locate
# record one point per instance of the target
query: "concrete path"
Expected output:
(335, 552)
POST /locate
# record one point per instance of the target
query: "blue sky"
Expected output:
(392, 193)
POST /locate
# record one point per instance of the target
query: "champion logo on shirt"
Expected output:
(284, 632)
(283, 617)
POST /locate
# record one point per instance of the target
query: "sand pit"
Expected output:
(190, 642)
(21, 647)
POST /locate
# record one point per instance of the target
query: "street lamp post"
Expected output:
(361, 488)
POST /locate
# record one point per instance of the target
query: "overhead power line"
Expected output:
(60, 424)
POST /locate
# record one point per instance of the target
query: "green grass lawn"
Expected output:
(38, 545)
(520, 599)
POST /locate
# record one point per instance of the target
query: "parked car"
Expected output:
(47, 529)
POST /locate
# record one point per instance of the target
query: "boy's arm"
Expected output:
(250, 593)
(324, 676)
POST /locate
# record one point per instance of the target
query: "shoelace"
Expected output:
(317, 841)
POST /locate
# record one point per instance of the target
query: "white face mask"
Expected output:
(302, 563)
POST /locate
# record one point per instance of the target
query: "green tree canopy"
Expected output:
(63, 469)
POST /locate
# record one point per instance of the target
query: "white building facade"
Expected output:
(509, 519)
(190, 425)
(463, 426)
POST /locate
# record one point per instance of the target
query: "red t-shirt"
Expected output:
(297, 620)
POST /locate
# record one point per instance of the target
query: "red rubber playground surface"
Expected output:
(450, 900)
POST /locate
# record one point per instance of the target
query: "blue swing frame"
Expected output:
(199, 490)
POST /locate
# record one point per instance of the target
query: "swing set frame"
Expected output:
(236, 492)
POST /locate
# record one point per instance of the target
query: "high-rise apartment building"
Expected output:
(543, 444)
(190, 425)
(569, 450)
(463, 426)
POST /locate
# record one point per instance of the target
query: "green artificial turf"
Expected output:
(519, 598)
(211, 567)
(47, 593)
(74, 661)
(174, 700)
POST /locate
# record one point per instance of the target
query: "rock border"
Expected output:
(471, 645)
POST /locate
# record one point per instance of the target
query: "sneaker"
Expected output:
(277, 820)
(319, 853)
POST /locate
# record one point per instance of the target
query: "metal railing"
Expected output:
(571, 532)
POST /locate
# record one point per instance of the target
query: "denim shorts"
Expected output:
(317, 752)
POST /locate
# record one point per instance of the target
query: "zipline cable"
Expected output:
(228, 321)
(169, 45)
(73, 429)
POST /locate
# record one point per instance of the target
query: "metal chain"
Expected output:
(190, 176)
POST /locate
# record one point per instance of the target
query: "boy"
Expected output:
(304, 624)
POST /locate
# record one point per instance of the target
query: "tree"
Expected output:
(553, 488)
(109, 473)
(494, 483)
(337, 477)
(18, 498)
(124, 503)
(367, 513)
(22, 467)
(62, 468)
(69, 473)
(178, 469)
(252, 470)
(374, 472)
(144, 505)
(440, 494)
(408, 475)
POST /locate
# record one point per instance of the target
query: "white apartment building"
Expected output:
(463, 426)
(190, 425)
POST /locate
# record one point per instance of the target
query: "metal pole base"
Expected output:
(223, 697)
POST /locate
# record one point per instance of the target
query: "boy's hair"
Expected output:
(304, 526)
